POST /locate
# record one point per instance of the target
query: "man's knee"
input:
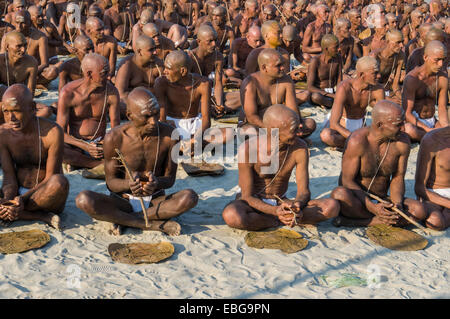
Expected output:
(187, 199)
(325, 135)
(316, 97)
(51, 72)
(331, 208)
(85, 201)
(309, 124)
(58, 183)
(416, 209)
(232, 217)
(436, 221)
(341, 193)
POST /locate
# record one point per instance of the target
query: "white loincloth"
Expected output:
(187, 127)
(23, 190)
(444, 192)
(350, 124)
(136, 203)
(430, 122)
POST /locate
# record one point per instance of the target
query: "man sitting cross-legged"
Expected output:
(374, 161)
(146, 145)
(31, 155)
(257, 208)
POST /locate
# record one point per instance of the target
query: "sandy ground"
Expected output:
(212, 261)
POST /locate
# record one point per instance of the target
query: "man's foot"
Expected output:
(98, 172)
(168, 227)
(54, 221)
(115, 230)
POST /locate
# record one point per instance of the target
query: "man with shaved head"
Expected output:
(239, 51)
(16, 6)
(377, 40)
(104, 45)
(411, 29)
(70, 70)
(139, 69)
(146, 145)
(163, 44)
(119, 22)
(290, 41)
(55, 42)
(268, 12)
(31, 151)
(256, 206)
(416, 57)
(425, 89)
(224, 32)
(419, 40)
(184, 98)
(83, 107)
(391, 60)
(346, 43)
(243, 21)
(374, 162)
(325, 72)
(433, 177)
(315, 31)
(353, 97)
(207, 61)
(271, 33)
(37, 47)
(270, 85)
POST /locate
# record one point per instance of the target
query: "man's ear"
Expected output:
(89, 74)
(183, 71)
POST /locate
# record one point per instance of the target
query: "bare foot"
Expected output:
(115, 230)
(337, 222)
(168, 227)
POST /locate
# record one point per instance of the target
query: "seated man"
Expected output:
(146, 145)
(31, 154)
(163, 45)
(104, 45)
(325, 72)
(225, 33)
(83, 106)
(55, 42)
(266, 87)
(138, 69)
(37, 47)
(391, 60)
(346, 43)
(425, 89)
(70, 70)
(353, 96)
(375, 161)
(433, 177)
(314, 32)
(184, 98)
(207, 61)
(416, 57)
(119, 21)
(256, 207)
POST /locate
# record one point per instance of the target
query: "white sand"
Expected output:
(212, 261)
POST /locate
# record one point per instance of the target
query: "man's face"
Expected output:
(145, 117)
(289, 10)
(268, 14)
(148, 52)
(344, 31)
(254, 40)
(273, 37)
(96, 31)
(323, 13)
(251, 10)
(85, 48)
(333, 49)
(17, 48)
(38, 17)
(155, 36)
(218, 19)
(16, 115)
(396, 43)
(417, 19)
(19, 6)
(392, 22)
(172, 72)
(355, 19)
(372, 75)
(99, 75)
(393, 125)
(275, 68)
(21, 23)
(435, 60)
(381, 26)
(208, 42)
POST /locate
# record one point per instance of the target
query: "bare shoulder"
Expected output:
(403, 143)
(114, 137)
(37, 34)
(286, 79)
(161, 82)
(30, 60)
(357, 141)
(50, 128)
(68, 90)
(299, 148)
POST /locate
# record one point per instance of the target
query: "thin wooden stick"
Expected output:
(127, 169)
(295, 214)
(395, 209)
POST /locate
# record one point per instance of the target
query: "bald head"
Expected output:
(254, 31)
(93, 62)
(328, 40)
(280, 116)
(386, 111)
(268, 55)
(204, 31)
(219, 11)
(424, 28)
(140, 100)
(289, 32)
(434, 35)
(81, 41)
(146, 16)
(15, 36)
(177, 59)
(94, 11)
(150, 29)
(435, 47)
(144, 41)
(17, 95)
(34, 10)
(269, 26)
(394, 35)
(342, 23)
(366, 63)
(94, 23)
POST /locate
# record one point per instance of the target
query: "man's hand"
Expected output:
(136, 186)
(94, 150)
(12, 212)
(286, 216)
(385, 215)
(151, 186)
